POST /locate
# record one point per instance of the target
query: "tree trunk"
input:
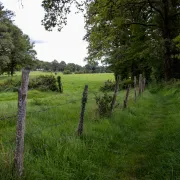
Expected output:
(12, 65)
(12, 70)
(167, 43)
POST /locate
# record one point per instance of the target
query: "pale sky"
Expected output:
(66, 45)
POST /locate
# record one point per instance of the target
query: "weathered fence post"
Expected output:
(144, 84)
(115, 93)
(60, 84)
(83, 106)
(135, 90)
(127, 95)
(140, 84)
(22, 97)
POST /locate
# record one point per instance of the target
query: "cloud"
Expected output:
(66, 45)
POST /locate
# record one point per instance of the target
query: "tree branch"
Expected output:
(142, 24)
(156, 9)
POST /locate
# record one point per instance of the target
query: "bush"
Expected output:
(44, 83)
(109, 85)
(104, 104)
(79, 72)
(124, 84)
(67, 72)
(10, 85)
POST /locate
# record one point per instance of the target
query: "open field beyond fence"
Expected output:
(140, 142)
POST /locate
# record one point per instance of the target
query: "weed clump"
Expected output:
(104, 104)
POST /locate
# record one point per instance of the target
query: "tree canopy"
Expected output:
(16, 48)
(132, 36)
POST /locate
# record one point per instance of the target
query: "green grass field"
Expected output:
(141, 142)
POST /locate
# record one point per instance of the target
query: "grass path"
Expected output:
(155, 154)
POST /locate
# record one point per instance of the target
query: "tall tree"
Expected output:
(146, 25)
(22, 53)
(6, 43)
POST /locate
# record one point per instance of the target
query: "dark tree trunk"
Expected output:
(167, 43)
(12, 66)
(12, 70)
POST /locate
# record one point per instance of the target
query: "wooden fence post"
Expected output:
(22, 97)
(140, 84)
(144, 84)
(83, 106)
(127, 95)
(60, 84)
(135, 90)
(115, 93)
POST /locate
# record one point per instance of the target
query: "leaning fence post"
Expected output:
(135, 90)
(115, 93)
(60, 84)
(127, 95)
(140, 84)
(22, 97)
(83, 106)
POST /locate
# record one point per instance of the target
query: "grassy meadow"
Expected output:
(141, 142)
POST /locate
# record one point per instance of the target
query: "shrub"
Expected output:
(79, 72)
(109, 85)
(124, 84)
(11, 85)
(44, 83)
(104, 104)
(67, 72)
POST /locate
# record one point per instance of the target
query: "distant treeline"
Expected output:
(69, 68)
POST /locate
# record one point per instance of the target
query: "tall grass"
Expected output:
(141, 142)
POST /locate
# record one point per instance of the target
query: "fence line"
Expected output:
(20, 131)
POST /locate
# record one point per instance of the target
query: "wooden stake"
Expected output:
(127, 95)
(140, 84)
(135, 90)
(144, 84)
(22, 97)
(83, 106)
(60, 84)
(115, 93)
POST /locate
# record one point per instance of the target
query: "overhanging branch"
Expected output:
(142, 24)
(156, 9)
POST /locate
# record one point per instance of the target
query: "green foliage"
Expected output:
(10, 85)
(79, 72)
(124, 84)
(109, 85)
(104, 104)
(16, 48)
(67, 72)
(44, 83)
